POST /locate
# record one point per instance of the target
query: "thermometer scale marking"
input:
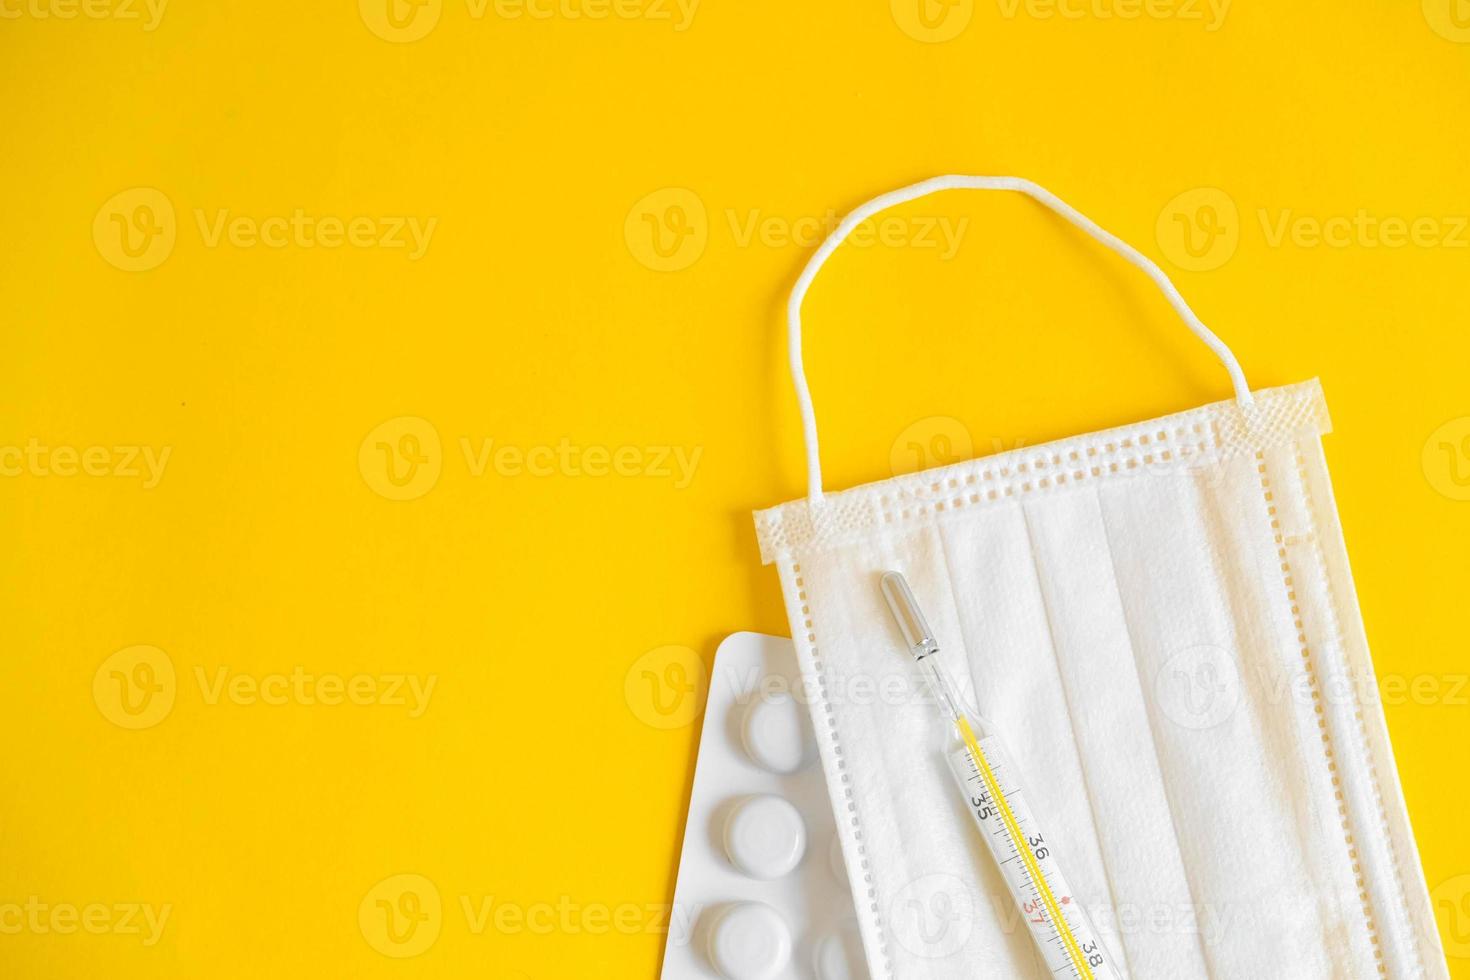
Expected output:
(1065, 939)
(1083, 957)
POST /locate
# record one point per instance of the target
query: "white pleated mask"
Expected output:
(1160, 621)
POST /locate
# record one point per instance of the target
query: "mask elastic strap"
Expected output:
(961, 182)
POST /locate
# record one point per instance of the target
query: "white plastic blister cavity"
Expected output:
(762, 891)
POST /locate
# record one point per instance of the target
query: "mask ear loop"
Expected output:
(962, 182)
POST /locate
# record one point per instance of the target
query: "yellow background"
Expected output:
(541, 773)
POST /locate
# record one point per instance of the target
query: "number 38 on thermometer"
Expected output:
(991, 783)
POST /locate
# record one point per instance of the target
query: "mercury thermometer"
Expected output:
(991, 785)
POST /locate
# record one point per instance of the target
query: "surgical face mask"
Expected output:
(1161, 620)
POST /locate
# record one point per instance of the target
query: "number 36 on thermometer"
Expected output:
(990, 781)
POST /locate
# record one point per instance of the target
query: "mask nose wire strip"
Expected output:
(963, 182)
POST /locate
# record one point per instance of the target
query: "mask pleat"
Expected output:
(1127, 810)
(1159, 621)
(941, 918)
(1229, 780)
(1004, 643)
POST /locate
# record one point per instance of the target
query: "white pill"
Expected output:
(839, 955)
(765, 837)
(777, 734)
(750, 941)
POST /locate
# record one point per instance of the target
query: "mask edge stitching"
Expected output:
(796, 528)
(1359, 731)
(1311, 666)
(871, 911)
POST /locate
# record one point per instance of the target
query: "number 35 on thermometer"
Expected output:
(991, 784)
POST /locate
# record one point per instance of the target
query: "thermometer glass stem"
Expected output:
(990, 782)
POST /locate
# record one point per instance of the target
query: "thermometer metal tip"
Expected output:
(911, 622)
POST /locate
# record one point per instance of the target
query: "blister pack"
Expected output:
(762, 892)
